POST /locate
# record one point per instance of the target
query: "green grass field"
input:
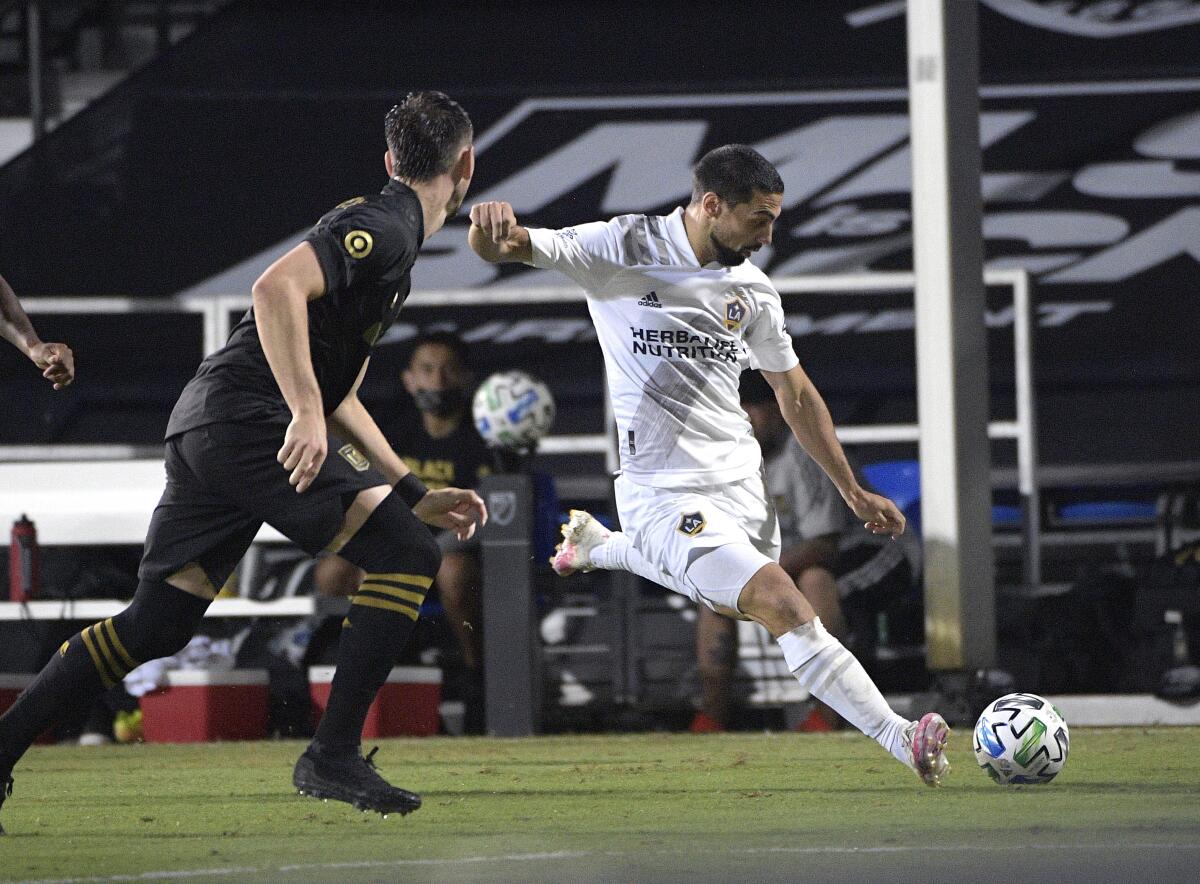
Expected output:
(652, 807)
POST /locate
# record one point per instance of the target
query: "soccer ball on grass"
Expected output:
(512, 410)
(1021, 739)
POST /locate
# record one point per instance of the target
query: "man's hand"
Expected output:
(304, 448)
(456, 509)
(57, 363)
(879, 515)
(495, 219)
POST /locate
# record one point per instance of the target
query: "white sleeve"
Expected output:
(588, 253)
(767, 338)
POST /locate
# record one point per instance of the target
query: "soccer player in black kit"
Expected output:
(247, 443)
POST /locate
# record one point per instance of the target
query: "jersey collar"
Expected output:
(679, 239)
(396, 187)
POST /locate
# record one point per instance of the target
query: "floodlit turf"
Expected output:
(614, 808)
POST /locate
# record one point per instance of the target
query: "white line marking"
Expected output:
(179, 875)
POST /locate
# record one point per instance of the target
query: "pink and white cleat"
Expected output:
(927, 739)
(581, 535)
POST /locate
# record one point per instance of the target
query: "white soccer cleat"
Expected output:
(926, 740)
(581, 534)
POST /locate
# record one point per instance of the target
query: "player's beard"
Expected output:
(726, 256)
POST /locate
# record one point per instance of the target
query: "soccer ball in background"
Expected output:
(512, 410)
(1021, 739)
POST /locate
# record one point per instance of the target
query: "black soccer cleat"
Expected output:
(6, 784)
(352, 778)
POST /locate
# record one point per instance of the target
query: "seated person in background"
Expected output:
(848, 575)
(441, 449)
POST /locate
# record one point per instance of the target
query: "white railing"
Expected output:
(218, 312)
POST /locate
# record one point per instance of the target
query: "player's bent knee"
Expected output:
(159, 622)
(775, 602)
(392, 540)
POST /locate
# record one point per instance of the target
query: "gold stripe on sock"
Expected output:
(110, 632)
(368, 592)
(394, 591)
(105, 651)
(115, 665)
(105, 678)
(405, 579)
(385, 604)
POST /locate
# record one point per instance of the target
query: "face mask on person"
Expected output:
(442, 403)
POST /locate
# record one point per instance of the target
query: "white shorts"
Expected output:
(709, 540)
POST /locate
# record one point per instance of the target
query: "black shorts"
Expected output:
(223, 483)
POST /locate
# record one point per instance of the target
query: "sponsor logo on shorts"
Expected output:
(691, 524)
(355, 458)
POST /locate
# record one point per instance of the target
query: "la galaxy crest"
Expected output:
(736, 308)
(691, 524)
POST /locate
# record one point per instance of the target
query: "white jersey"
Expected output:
(676, 336)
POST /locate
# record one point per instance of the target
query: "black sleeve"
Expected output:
(362, 243)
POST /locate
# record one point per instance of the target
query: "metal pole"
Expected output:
(952, 384)
(33, 41)
(1027, 479)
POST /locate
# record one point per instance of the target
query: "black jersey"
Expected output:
(459, 460)
(366, 248)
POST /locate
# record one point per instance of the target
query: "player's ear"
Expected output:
(464, 166)
(389, 163)
(712, 205)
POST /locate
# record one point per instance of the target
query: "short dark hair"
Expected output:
(448, 339)
(424, 133)
(733, 173)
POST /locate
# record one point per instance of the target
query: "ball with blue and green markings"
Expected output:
(1021, 739)
(513, 410)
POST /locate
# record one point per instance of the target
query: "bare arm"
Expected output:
(281, 297)
(808, 417)
(351, 422)
(456, 509)
(56, 361)
(495, 235)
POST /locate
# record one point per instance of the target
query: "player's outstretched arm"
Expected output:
(808, 417)
(281, 297)
(495, 235)
(56, 361)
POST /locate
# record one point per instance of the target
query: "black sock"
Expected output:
(158, 623)
(81, 670)
(382, 616)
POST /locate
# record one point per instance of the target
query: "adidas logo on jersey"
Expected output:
(651, 300)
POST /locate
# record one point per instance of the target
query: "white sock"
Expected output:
(834, 676)
(619, 554)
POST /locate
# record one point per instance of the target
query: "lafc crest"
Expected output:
(355, 458)
(691, 524)
(736, 309)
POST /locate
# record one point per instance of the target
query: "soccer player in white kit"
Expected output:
(679, 313)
